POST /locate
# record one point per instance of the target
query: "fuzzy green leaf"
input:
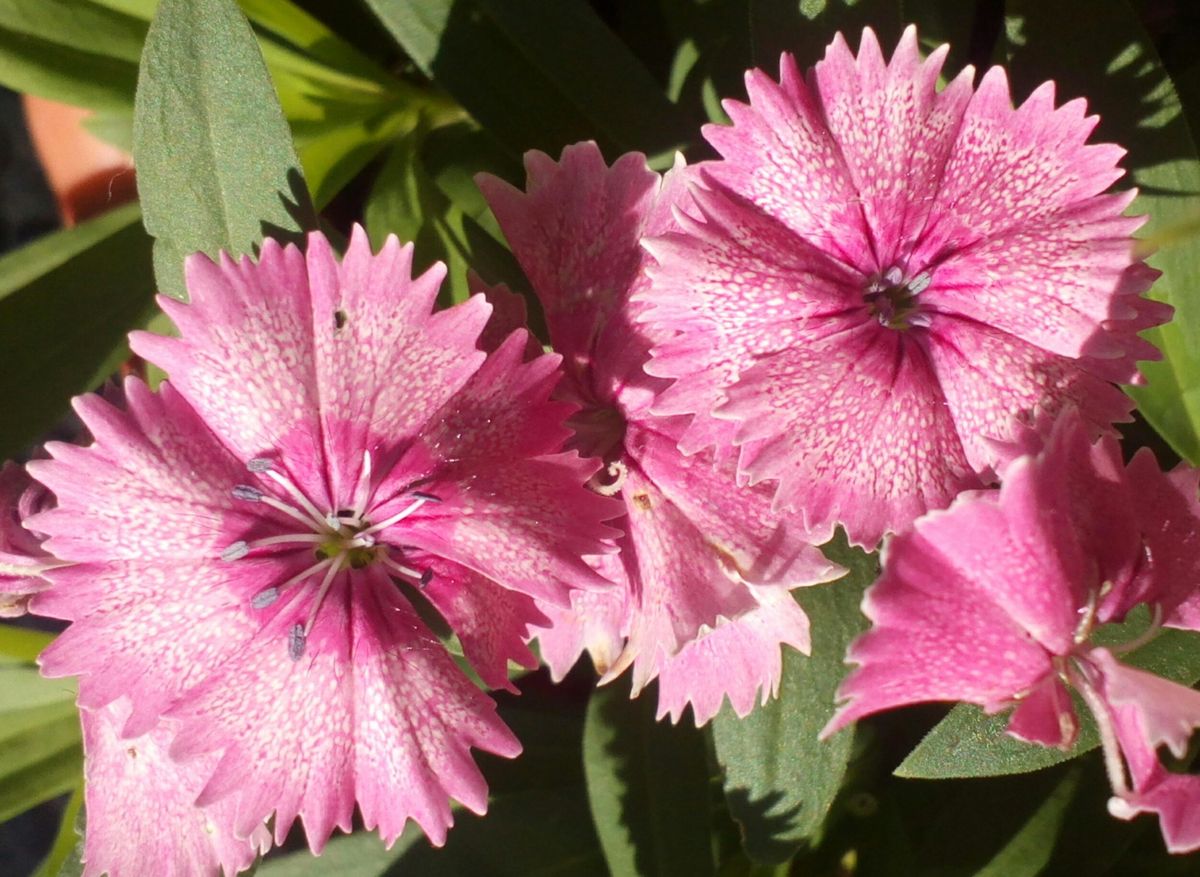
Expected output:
(216, 166)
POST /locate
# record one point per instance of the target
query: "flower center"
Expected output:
(339, 540)
(892, 299)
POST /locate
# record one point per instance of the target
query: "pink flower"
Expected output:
(23, 562)
(244, 544)
(705, 568)
(883, 277)
(994, 601)
(140, 815)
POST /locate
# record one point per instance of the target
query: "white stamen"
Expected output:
(1114, 766)
(362, 488)
(1148, 634)
(260, 464)
(407, 572)
(617, 471)
(296, 493)
(307, 538)
(299, 577)
(326, 584)
(420, 500)
(236, 551)
(291, 511)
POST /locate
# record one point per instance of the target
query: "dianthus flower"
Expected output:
(246, 545)
(994, 602)
(139, 803)
(22, 559)
(705, 567)
(884, 277)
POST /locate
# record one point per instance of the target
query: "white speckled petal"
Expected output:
(780, 155)
(1035, 159)
(492, 623)
(245, 361)
(740, 660)
(415, 719)
(989, 378)
(141, 812)
(595, 622)
(894, 130)
(1064, 285)
(854, 427)
(285, 728)
(525, 525)
(156, 483)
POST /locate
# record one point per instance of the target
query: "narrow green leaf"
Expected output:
(536, 74)
(64, 858)
(1029, 850)
(22, 688)
(77, 25)
(56, 774)
(66, 302)
(407, 201)
(969, 743)
(780, 781)
(647, 786)
(1107, 57)
(216, 166)
(52, 70)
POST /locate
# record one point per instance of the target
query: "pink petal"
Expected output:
(681, 580)
(1167, 711)
(894, 130)
(595, 622)
(737, 659)
(285, 728)
(156, 483)
(23, 562)
(525, 524)
(853, 426)
(780, 154)
(508, 314)
(1174, 797)
(149, 629)
(1045, 715)
(1063, 285)
(731, 287)
(1035, 160)
(491, 622)
(503, 412)
(141, 812)
(939, 633)
(576, 236)
(416, 718)
(1168, 512)
(989, 378)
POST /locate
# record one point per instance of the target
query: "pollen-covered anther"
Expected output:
(892, 299)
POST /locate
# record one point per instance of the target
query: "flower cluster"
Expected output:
(831, 324)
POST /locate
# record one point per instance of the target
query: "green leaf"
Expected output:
(66, 302)
(51, 70)
(970, 743)
(40, 752)
(805, 27)
(647, 785)
(78, 25)
(1107, 57)
(65, 857)
(1028, 852)
(536, 74)
(408, 202)
(216, 166)
(21, 643)
(780, 781)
